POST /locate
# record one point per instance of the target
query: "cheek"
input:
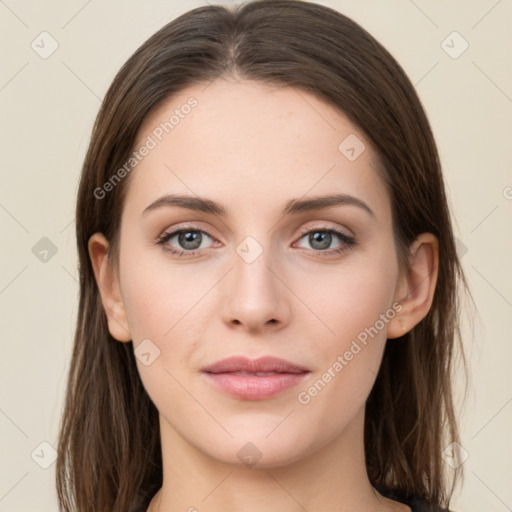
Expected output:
(163, 304)
(158, 295)
(349, 298)
(354, 303)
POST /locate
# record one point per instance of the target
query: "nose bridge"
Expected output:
(252, 280)
(254, 295)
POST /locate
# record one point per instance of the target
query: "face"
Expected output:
(259, 276)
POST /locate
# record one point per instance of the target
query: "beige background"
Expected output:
(48, 107)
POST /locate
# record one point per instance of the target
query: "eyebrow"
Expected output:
(294, 206)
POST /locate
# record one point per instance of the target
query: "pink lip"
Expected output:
(238, 376)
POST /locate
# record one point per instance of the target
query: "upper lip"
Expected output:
(262, 364)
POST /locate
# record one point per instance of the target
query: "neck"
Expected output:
(332, 478)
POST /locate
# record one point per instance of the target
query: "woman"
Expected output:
(268, 275)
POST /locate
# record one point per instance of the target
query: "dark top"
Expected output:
(421, 505)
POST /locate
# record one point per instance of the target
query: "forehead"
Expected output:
(246, 143)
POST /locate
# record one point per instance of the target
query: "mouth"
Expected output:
(258, 379)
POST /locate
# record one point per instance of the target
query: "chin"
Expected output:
(258, 449)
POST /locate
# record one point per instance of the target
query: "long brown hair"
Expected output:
(109, 452)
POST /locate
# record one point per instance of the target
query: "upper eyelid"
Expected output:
(205, 230)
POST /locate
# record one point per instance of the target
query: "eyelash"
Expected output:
(348, 241)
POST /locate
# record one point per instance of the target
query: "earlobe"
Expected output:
(415, 290)
(108, 286)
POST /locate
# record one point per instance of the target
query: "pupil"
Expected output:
(190, 239)
(324, 240)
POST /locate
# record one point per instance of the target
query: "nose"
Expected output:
(256, 298)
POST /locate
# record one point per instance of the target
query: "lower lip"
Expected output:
(253, 387)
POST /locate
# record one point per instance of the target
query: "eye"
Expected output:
(320, 240)
(188, 240)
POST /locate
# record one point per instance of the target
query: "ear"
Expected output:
(108, 285)
(416, 285)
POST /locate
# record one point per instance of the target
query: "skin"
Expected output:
(253, 147)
